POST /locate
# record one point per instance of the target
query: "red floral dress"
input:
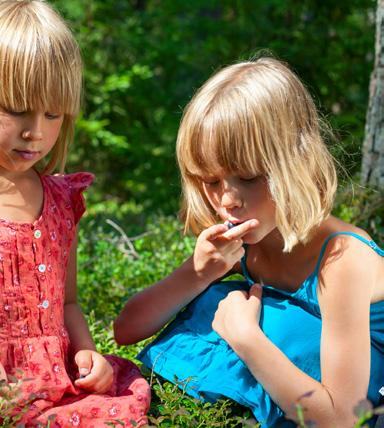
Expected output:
(33, 340)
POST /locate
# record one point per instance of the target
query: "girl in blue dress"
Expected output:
(307, 322)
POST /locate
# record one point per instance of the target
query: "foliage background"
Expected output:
(143, 61)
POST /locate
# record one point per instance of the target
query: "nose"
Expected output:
(34, 128)
(230, 197)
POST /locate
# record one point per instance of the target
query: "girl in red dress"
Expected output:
(44, 338)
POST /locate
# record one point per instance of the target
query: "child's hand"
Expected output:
(219, 248)
(238, 315)
(3, 374)
(96, 374)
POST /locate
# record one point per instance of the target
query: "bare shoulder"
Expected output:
(350, 265)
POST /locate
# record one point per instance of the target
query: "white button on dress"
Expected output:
(41, 268)
(44, 304)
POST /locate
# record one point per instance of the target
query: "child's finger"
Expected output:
(99, 380)
(214, 231)
(238, 253)
(256, 290)
(83, 360)
(3, 374)
(242, 229)
(232, 246)
(90, 380)
(87, 382)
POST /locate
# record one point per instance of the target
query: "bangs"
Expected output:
(225, 140)
(40, 67)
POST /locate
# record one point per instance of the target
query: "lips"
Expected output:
(27, 154)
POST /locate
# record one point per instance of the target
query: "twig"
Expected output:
(125, 239)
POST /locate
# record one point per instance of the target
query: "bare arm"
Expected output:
(3, 374)
(74, 320)
(344, 297)
(217, 250)
(148, 311)
(96, 374)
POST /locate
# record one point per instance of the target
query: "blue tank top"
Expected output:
(189, 351)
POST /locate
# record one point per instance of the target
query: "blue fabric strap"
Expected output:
(370, 243)
(244, 269)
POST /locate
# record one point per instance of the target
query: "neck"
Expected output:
(16, 176)
(272, 244)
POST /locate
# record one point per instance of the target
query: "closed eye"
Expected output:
(250, 179)
(52, 116)
(14, 112)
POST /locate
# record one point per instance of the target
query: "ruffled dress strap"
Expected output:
(77, 183)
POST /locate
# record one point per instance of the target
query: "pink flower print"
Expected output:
(52, 208)
(58, 422)
(34, 367)
(31, 349)
(95, 411)
(114, 410)
(68, 222)
(53, 235)
(55, 253)
(4, 244)
(47, 377)
(24, 329)
(75, 419)
(56, 368)
(133, 409)
(7, 308)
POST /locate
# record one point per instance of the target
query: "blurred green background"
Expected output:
(145, 58)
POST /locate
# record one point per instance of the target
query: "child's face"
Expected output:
(26, 137)
(239, 198)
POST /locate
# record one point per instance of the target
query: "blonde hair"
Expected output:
(257, 118)
(40, 67)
